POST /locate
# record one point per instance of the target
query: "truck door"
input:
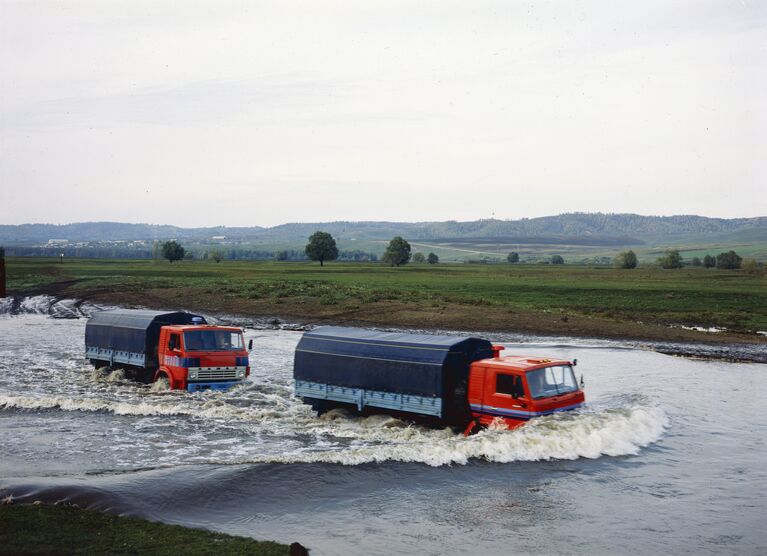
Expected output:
(505, 397)
(476, 391)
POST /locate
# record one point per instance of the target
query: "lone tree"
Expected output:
(397, 253)
(321, 247)
(557, 259)
(216, 255)
(626, 259)
(172, 251)
(432, 258)
(513, 257)
(730, 259)
(696, 261)
(709, 261)
(419, 258)
(672, 259)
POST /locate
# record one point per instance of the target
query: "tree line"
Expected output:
(672, 258)
(322, 248)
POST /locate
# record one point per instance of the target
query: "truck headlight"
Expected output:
(240, 373)
(192, 374)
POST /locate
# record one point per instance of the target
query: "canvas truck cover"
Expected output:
(408, 372)
(129, 336)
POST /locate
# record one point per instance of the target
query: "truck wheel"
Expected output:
(143, 376)
(97, 364)
(161, 383)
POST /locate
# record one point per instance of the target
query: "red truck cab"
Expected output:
(519, 388)
(201, 357)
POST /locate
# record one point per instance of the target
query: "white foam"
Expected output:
(105, 374)
(342, 439)
(613, 432)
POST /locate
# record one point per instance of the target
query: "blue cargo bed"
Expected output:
(129, 336)
(413, 373)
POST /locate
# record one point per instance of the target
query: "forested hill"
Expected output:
(113, 231)
(625, 227)
(583, 228)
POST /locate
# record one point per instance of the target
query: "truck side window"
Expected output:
(174, 343)
(509, 384)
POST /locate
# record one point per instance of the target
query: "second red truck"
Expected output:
(463, 382)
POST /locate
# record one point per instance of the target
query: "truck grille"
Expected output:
(216, 373)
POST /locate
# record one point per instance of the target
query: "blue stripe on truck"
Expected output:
(519, 413)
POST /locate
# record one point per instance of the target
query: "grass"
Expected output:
(509, 297)
(41, 529)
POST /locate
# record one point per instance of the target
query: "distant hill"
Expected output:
(572, 228)
(112, 231)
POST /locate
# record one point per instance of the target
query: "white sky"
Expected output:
(259, 113)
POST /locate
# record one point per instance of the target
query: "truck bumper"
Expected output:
(198, 386)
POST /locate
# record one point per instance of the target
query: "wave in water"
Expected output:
(339, 438)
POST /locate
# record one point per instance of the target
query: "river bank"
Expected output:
(690, 344)
(68, 529)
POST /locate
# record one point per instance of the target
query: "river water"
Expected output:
(668, 455)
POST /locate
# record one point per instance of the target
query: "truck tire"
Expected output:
(97, 363)
(161, 382)
(143, 376)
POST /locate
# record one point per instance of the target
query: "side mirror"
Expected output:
(575, 362)
(250, 345)
(583, 384)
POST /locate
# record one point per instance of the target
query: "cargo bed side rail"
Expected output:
(362, 397)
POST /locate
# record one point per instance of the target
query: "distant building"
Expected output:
(58, 241)
(219, 238)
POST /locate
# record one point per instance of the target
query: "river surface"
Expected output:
(670, 454)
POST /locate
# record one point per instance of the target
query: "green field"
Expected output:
(41, 529)
(578, 299)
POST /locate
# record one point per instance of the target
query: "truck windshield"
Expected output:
(213, 340)
(551, 381)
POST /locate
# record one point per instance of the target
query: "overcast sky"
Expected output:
(259, 113)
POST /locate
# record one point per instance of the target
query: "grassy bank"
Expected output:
(547, 299)
(44, 529)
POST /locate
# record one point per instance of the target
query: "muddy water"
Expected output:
(668, 454)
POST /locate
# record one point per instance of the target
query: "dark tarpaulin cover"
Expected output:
(399, 362)
(132, 330)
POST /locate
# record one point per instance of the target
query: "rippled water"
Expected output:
(669, 453)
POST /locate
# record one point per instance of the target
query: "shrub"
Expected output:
(750, 266)
(672, 259)
(728, 260)
(626, 259)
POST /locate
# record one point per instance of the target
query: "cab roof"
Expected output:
(525, 363)
(185, 327)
